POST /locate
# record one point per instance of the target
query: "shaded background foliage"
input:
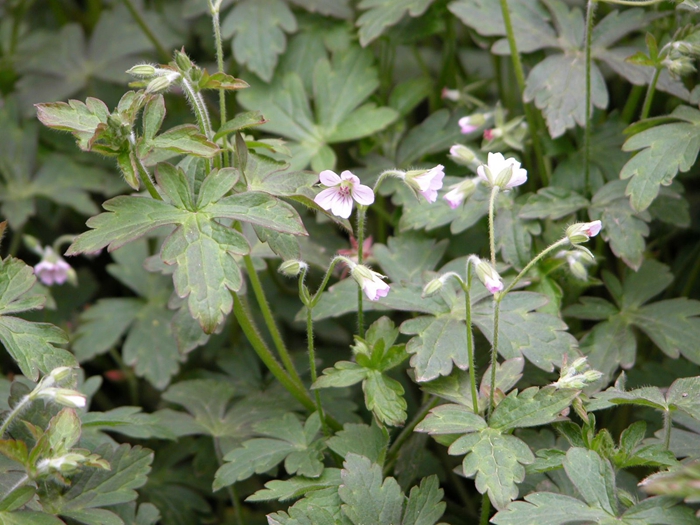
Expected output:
(360, 85)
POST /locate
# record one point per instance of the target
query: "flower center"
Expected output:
(345, 188)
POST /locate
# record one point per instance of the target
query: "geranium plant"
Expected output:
(349, 262)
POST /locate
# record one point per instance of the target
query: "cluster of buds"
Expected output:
(48, 390)
(158, 79)
(578, 260)
(577, 375)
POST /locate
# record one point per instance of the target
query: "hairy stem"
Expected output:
(21, 405)
(225, 162)
(312, 366)
(393, 452)
(646, 108)
(667, 429)
(270, 320)
(361, 210)
(136, 15)
(146, 177)
(251, 332)
(492, 237)
(559, 243)
(494, 355)
(470, 339)
(590, 16)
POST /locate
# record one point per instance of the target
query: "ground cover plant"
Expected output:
(349, 262)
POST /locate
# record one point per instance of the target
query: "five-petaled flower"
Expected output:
(426, 182)
(341, 191)
(370, 281)
(502, 172)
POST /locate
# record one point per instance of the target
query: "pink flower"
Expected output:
(593, 228)
(370, 282)
(342, 190)
(502, 172)
(51, 273)
(461, 191)
(468, 125)
(427, 183)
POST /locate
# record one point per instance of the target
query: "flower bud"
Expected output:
(583, 231)
(292, 267)
(142, 70)
(493, 134)
(60, 373)
(158, 84)
(451, 94)
(461, 191)
(432, 287)
(471, 123)
(426, 182)
(462, 155)
(576, 375)
(487, 274)
(183, 61)
(62, 396)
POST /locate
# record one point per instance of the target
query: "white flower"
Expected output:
(341, 191)
(52, 269)
(487, 274)
(370, 282)
(461, 191)
(62, 396)
(582, 231)
(426, 182)
(502, 172)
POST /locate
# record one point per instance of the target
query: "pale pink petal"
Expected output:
(517, 178)
(342, 207)
(483, 175)
(363, 194)
(493, 285)
(594, 228)
(454, 198)
(430, 195)
(329, 178)
(348, 175)
(326, 198)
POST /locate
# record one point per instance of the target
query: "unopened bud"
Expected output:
(462, 155)
(432, 287)
(62, 396)
(142, 70)
(183, 61)
(158, 84)
(583, 231)
(292, 267)
(451, 94)
(471, 123)
(60, 373)
(487, 274)
(493, 134)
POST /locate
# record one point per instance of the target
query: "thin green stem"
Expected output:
(251, 332)
(406, 432)
(146, 177)
(646, 108)
(270, 320)
(485, 510)
(492, 237)
(520, 78)
(590, 16)
(136, 15)
(312, 366)
(317, 296)
(631, 105)
(633, 2)
(560, 242)
(667, 429)
(16, 241)
(15, 412)
(199, 107)
(470, 339)
(225, 161)
(361, 211)
(230, 488)
(494, 354)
